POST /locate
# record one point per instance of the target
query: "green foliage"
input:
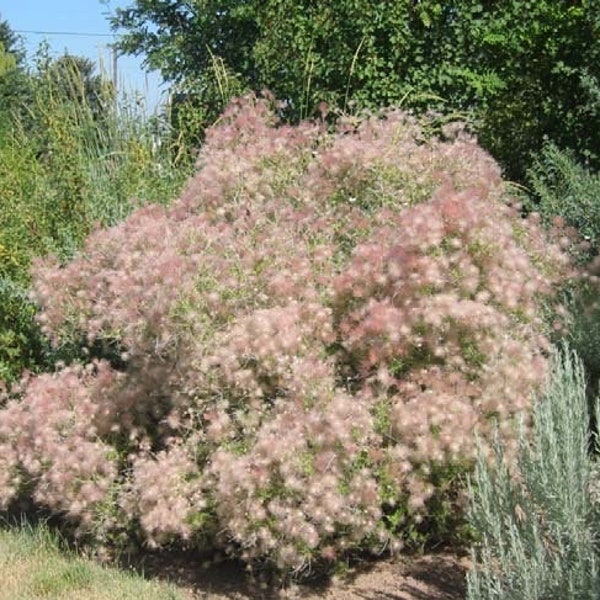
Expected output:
(567, 194)
(195, 105)
(7, 61)
(11, 43)
(14, 82)
(22, 346)
(547, 56)
(203, 47)
(562, 187)
(73, 159)
(537, 525)
(521, 71)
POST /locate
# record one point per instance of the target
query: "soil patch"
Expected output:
(428, 577)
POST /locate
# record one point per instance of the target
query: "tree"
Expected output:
(204, 48)
(14, 81)
(12, 43)
(374, 53)
(521, 70)
(547, 54)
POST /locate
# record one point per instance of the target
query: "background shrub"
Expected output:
(563, 188)
(524, 71)
(22, 345)
(288, 362)
(567, 194)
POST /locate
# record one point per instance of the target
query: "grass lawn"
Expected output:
(32, 565)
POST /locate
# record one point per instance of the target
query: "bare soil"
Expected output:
(428, 577)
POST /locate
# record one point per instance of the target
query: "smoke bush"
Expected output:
(283, 359)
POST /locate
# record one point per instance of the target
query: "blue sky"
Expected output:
(56, 21)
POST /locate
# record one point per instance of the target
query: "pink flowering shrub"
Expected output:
(299, 345)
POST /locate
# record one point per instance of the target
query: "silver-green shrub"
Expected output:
(535, 520)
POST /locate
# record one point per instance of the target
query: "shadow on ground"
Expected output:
(428, 577)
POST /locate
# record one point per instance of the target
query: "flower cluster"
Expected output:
(56, 436)
(319, 322)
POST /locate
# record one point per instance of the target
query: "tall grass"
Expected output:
(538, 524)
(81, 160)
(71, 161)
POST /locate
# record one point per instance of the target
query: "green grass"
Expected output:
(69, 167)
(33, 564)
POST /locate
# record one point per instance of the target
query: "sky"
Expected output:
(81, 27)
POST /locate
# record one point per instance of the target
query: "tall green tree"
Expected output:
(11, 43)
(524, 70)
(14, 80)
(547, 54)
